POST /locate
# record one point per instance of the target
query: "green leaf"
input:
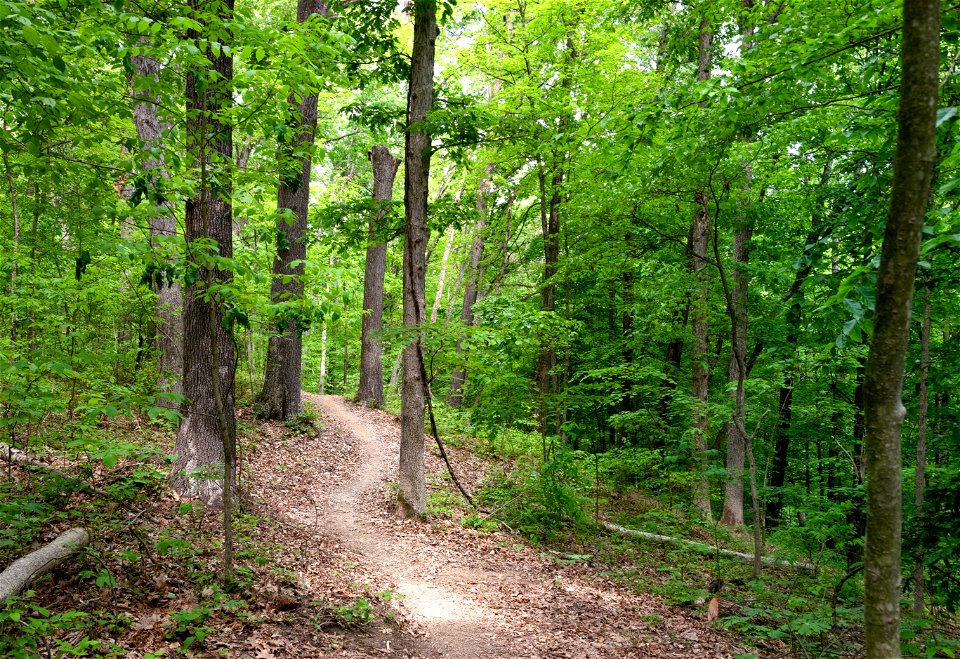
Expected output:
(30, 35)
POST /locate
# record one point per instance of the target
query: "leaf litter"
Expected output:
(331, 571)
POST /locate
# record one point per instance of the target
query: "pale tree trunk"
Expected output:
(733, 496)
(737, 370)
(459, 375)
(323, 359)
(412, 486)
(442, 278)
(700, 380)
(920, 481)
(370, 391)
(454, 291)
(280, 397)
(209, 424)
(883, 380)
(151, 130)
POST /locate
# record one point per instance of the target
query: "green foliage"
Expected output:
(29, 630)
(187, 626)
(360, 612)
(538, 500)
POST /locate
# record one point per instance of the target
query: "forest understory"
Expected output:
(327, 569)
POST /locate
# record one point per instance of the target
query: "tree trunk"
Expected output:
(199, 468)
(151, 130)
(370, 391)
(459, 376)
(442, 278)
(733, 495)
(417, 152)
(14, 209)
(700, 380)
(282, 381)
(920, 480)
(794, 297)
(883, 381)
(550, 229)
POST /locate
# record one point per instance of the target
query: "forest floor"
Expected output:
(325, 567)
(448, 590)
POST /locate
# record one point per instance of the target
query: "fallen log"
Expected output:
(706, 549)
(14, 455)
(35, 564)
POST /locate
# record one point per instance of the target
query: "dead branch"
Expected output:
(707, 549)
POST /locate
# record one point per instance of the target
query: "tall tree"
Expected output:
(370, 392)
(417, 153)
(883, 380)
(280, 396)
(699, 241)
(152, 129)
(920, 471)
(204, 467)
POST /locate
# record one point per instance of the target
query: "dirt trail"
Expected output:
(456, 624)
(471, 594)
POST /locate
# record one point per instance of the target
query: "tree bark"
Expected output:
(151, 131)
(209, 424)
(733, 495)
(417, 152)
(370, 391)
(280, 397)
(700, 379)
(15, 211)
(883, 380)
(550, 229)
(920, 480)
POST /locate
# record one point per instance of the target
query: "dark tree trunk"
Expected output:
(412, 486)
(857, 514)
(151, 129)
(920, 480)
(794, 297)
(280, 396)
(370, 392)
(550, 228)
(209, 423)
(627, 384)
(883, 382)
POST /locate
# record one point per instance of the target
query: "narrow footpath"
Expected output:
(457, 592)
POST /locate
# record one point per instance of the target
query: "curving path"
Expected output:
(465, 593)
(456, 623)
